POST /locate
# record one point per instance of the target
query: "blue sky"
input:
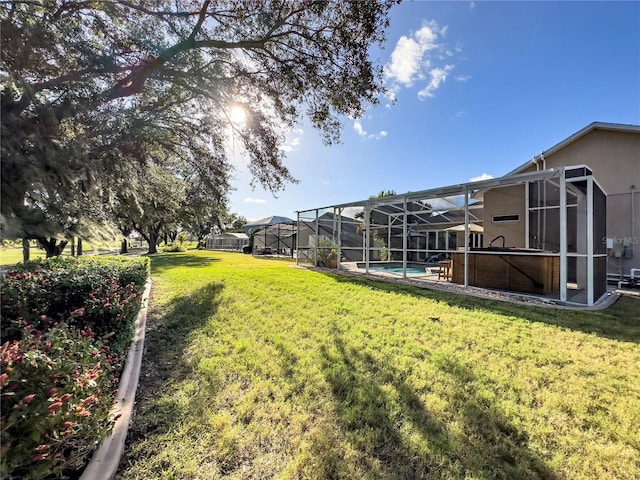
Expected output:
(480, 87)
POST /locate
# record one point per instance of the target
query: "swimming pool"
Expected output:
(396, 269)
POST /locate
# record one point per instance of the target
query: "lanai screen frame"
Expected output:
(563, 175)
(280, 237)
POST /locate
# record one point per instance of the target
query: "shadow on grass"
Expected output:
(164, 261)
(168, 334)
(621, 321)
(387, 421)
(490, 444)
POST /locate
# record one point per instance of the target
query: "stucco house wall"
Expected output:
(500, 202)
(612, 152)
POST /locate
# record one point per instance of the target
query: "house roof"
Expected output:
(273, 220)
(328, 216)
(270, 221)
(614, 127)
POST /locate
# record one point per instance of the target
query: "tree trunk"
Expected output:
(73, 246)
(153, 241)
(201, 242)
(124, 246)
(51, 246)
(26, 250)
(79, 247)
(151, 235)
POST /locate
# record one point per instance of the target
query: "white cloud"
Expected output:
(413, 57)
(446, 203)
(463, 78)
(357, 126)
(405, 61)
(407, 58)
(472, 5)
(438, 76)
(484, 176)
(254, 200)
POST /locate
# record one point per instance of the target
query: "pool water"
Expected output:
(393, 269)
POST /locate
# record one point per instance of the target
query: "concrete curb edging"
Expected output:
(104, 462)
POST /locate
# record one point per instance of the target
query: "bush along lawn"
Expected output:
(255, 369)
(66, 326)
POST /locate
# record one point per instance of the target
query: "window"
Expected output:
(505, 218)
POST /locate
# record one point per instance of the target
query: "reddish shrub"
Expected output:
(55, 400)
(66, 324)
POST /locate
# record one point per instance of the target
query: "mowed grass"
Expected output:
(256, 369)
(10, 256)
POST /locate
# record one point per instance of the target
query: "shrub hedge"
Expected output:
(66, 324)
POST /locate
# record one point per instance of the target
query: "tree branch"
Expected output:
(201, 18)
(155, 13)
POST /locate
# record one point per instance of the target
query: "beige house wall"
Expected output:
(614, 158)
(505, 201)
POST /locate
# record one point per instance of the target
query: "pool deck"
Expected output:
(430, 272)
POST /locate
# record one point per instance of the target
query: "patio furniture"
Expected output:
(445, 270)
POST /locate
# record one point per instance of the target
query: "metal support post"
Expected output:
(563, 238)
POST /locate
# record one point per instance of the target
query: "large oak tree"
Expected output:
(89, 86)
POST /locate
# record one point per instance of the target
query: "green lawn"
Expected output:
(12, 255)
(257, 369)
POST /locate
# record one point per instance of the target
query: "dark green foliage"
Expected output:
(97, 292)
(95, 93)
(173, 247)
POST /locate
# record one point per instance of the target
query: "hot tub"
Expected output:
(512, 269)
